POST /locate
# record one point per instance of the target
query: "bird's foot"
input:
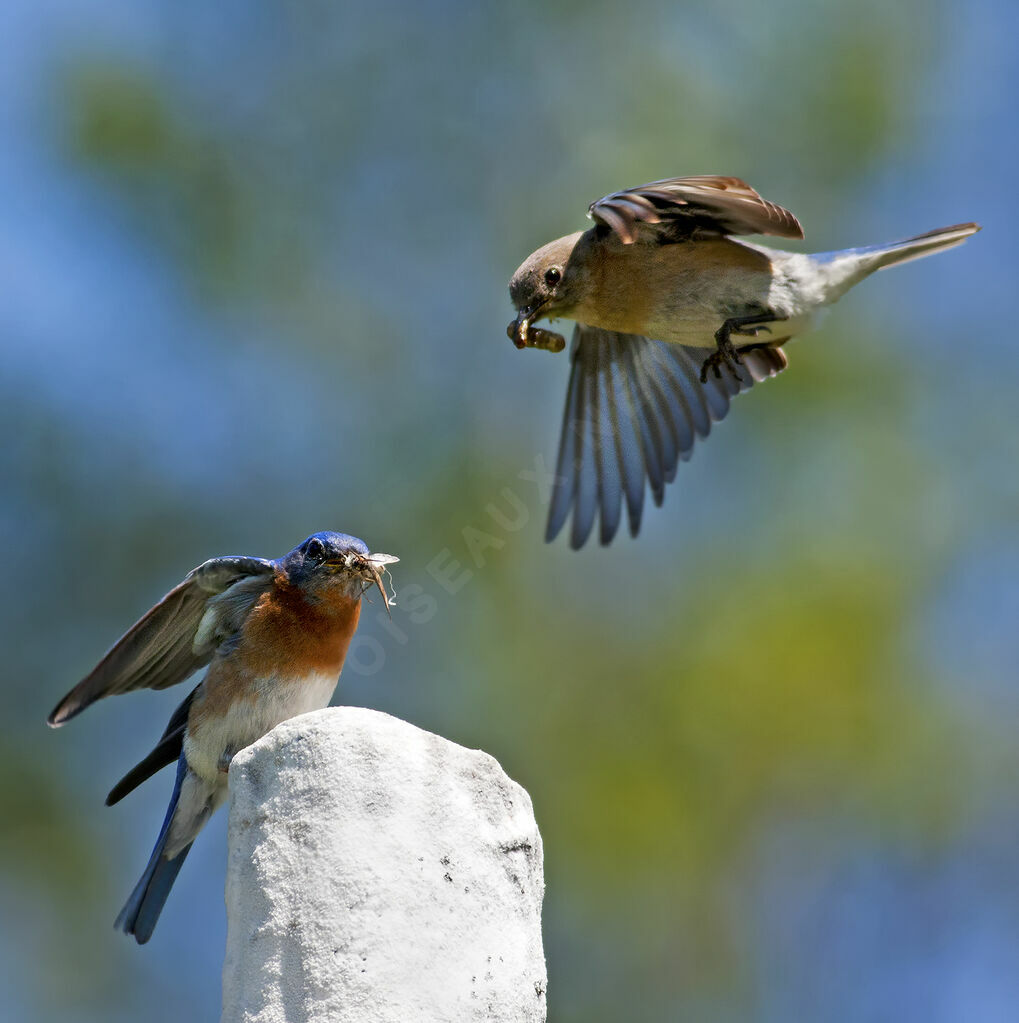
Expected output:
(726, 353)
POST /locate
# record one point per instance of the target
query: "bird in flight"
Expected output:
(273, 634)
(674, 317)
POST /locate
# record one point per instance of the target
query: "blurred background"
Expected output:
(252, 284)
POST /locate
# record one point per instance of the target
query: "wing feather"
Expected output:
(587, 482)
(629, 448)
(635, 408)
(651, 440)
(676, 208)
(164, 646)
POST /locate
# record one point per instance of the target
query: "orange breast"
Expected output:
(285, 637)
(286, 633)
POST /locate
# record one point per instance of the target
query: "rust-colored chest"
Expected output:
(288, 633)
(286, 637)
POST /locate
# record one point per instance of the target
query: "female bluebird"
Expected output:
(274, 635)
(658, 289)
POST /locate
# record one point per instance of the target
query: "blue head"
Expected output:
(330, 562)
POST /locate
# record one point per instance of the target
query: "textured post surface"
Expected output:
(379, 874)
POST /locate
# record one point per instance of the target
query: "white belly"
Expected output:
(691, 322)
(702, 335)
(218, 738)
(796, 292)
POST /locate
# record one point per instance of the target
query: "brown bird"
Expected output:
(674, 317)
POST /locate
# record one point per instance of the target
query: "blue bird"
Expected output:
(659, 290)
(274, 635)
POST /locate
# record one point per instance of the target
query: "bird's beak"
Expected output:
(519, 330)
(523, 335)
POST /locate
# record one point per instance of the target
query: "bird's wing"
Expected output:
(634, 408)
(675, 208)
(178, 636)
(167, 751)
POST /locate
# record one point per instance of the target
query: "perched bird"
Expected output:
(273, 634)
(674, 317)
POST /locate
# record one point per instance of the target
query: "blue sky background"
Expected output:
(253, 266)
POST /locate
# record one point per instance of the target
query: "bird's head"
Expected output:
(552, 281)
(328, 563)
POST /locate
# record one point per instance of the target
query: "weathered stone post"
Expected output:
(379, 874)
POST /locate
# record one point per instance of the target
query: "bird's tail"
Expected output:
(848, 266)
(142, 909)
(915, 248)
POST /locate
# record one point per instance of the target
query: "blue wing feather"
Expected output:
(635, 408)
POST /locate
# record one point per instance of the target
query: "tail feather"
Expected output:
(167, 750)
(843, 269)
(876, 257)
(142, 909)
(922, 245)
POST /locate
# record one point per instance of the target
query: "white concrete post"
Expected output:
(379, 874)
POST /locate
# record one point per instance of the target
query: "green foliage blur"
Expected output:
(748, 733)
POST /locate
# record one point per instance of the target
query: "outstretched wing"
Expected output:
(176, 637)
(634, 408)
(675, 208)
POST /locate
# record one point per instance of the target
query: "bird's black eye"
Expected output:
(314, 550)
(553, 275)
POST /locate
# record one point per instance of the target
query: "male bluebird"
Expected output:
(274, 635)
(658, 289)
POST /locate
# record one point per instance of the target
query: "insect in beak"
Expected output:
(519, 330)
(523, 335)
(376, 565)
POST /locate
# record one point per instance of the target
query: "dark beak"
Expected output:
(520, 328)
(523, 335)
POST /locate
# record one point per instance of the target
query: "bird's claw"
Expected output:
(750, 331)
(726, 354)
